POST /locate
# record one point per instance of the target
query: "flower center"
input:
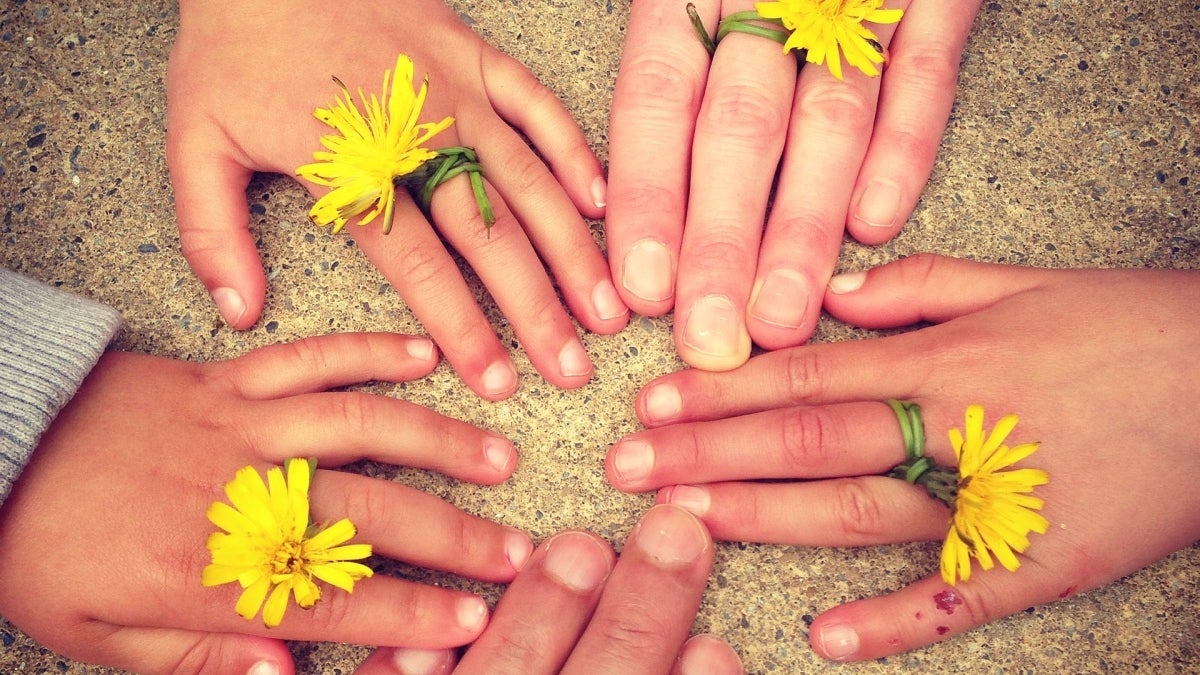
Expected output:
(289, 558)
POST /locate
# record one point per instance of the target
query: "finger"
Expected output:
(381, 611)
(852, 439)
(831, 124)
(657, 95)
(925, 612)
(541, 615)
(550, 221)
(507, 265)
(523, 101)
(165, 650)
(342, 427)
(918, 90)
(328, 361)
(418, 528)
(740, 133)
(650, 599)
(214, 221)
(707, 655)
(402, 661)
(425, 275)
(925, 287)
(861, 511)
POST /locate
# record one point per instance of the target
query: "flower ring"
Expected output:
(820, 31)
(992, 510)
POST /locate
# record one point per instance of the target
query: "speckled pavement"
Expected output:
(1072, 144)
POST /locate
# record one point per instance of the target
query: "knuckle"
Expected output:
(719, 250)
(932, 69)
(837, 108)
(525, 174)
(804, 375)
(330, 612)
(357, 414)
(647, 196)
(808, 438)
(812, 229)
(656, 82)
(422, 266)
(857, 511)
(744, 112)
(979, 601)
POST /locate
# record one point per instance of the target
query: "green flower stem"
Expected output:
(917, 468)
(739, 22)
(449, 163)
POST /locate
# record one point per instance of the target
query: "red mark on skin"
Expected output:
(1069, 592)
(917, 616)
(942, 630)
(947, 601)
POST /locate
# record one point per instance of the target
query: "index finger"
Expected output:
(664, 69)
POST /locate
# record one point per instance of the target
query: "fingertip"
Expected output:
(713, 335)
(707, 654)
(498, 381)
(834, 639)
(420, 661)
(878, 212)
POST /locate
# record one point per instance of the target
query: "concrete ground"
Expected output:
(1072, 144)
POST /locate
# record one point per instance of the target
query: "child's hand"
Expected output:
(1100, 366)
(243, 82)
(102, 540)
(570, 610)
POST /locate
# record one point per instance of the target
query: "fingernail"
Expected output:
(230, 304)
(606, 301)
(714, 327)
(599, 192)
(633, 460)
(670, 536)
(663, 403)
(420, 349)
(781, 299)
(879, 203)
(838, 641)
(847, 283)
(576, 561)
(500, 379)
(264, 668)
(472, 614)
(498, 452)
(517, 548)
(573, 360)
(648, 271)
(695, 500)
(705, 655)
(421, 661)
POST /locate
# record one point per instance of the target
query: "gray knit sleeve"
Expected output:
(49, 341)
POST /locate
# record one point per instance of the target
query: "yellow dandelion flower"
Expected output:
(266, 546)
(826, 29)
(371, 150)
(993, 512)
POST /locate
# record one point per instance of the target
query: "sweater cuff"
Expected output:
(49, 341)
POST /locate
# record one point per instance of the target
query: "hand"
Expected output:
(102, 540)
(243, 81)
(571, 611)
(1099, 365)
(696, 146)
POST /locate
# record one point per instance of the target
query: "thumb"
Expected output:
(214, 223)
(179, 652)
(924, 287)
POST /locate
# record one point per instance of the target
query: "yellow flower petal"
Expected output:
(268, 553)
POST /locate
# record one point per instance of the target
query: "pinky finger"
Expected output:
(921, 614)
(529, 105)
